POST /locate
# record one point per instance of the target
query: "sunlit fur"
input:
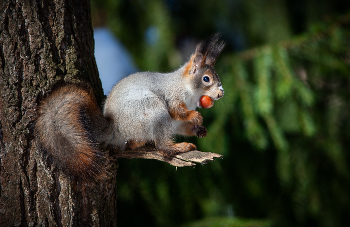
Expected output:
(153, 107)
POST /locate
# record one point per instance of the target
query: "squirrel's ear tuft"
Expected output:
(214, 49)
(206, 53)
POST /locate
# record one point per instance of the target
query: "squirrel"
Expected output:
(142, 108)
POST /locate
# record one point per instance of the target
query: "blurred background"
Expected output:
(283, 126)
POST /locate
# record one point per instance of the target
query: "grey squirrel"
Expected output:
(145, 107)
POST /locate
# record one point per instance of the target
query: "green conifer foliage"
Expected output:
(293, 100)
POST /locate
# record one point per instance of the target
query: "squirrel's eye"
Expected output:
(206, 79)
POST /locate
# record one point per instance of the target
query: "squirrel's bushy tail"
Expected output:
(66, 128)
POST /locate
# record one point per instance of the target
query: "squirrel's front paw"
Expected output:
(199, 130)
(196, 118)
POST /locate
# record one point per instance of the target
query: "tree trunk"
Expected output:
(44, 43)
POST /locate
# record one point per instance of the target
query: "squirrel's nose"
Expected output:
(221, 91)
(220, 94)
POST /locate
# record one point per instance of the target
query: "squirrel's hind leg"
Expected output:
(170, 148)
(162, 133)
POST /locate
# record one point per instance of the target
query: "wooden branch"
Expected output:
(190, 158)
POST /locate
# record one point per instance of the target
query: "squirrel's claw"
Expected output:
(199, 130)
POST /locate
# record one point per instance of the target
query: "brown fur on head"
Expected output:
(200, 69)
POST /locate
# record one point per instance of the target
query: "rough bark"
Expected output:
(44, 43)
